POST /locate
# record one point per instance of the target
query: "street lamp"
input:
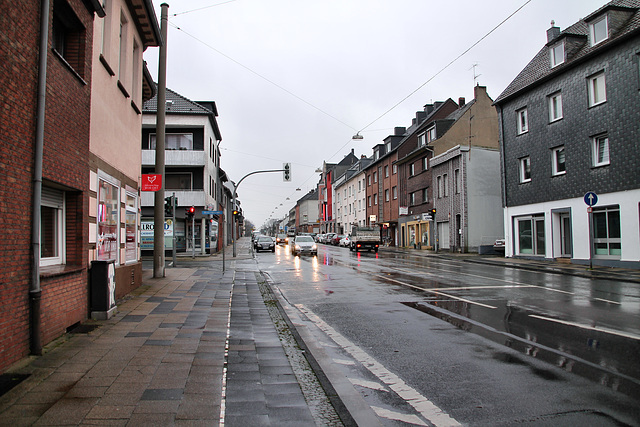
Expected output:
(357, 136)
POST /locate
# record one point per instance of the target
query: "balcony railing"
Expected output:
(176, 158)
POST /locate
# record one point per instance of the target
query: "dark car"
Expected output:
(265, 243)
(281, 238)
(335, 240)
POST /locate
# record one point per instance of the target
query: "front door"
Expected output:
(565, 235)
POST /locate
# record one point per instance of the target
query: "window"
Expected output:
(597, 89)
(439, 185)
(108, 209)
(369, 198)
(375, 199)
(425, 195)
(606, 232)
(445, 184)
(412, 169)
(375, 177)
(557, 54)
(431, 134)
(395, 169)
(525, 169)
(394, 193)
(412, 199)
(122, 64)
(173, 141)
(555, 107)
(422, 139)
(388, 147)
(425, 163)
(386, 195)
(178, 181)
(386, 171)
(600, 150)
(68, 35)
(51, 227)
(369, 179)
(531, 240)
(599, 30)
(456, 179)
(131, 218)
(558, 166)
(523, 122)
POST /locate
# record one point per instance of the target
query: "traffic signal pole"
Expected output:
(287, 177)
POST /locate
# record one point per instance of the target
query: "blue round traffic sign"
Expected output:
(591, 198)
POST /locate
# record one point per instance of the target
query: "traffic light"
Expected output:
(168, 206)
(286, 171)
(433, 212)
(235, 213)
(189, 212)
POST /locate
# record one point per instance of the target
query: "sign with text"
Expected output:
(151, 182)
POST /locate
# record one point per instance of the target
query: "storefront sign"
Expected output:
(151, 182)
(146, 234)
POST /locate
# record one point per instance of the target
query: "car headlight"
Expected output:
(314, 247)
(298, 248)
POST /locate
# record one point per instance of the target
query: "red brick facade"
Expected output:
(65, 166)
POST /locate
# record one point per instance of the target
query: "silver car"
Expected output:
(304, 245)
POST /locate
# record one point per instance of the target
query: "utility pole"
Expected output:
(158, 210)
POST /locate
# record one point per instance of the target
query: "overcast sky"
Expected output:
(294, 80)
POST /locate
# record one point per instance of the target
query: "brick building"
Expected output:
(569, 126)
(43, 283)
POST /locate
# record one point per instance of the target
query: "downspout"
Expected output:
(35, 292)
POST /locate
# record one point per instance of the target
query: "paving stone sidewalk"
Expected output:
(197, 347)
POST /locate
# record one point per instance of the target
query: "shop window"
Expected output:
(131, 227)
(606, 232)
(108, 209)
(531, 240)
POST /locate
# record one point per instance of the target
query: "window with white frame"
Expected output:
(131, 227)
(525, 169)
(425, 163)
(425, 195)
(597, 89)
(439, 186)
(422, 139)
(375, 199)
(412, 199)
(445, 184)
(600, 150)
(557, 54)
(523, 121)
(108, 230)
(386, 195)
(558, 165)
(394, 192)
(173, 141)
(369, 200)
(607, 241)
(555, 107)
(456, 179)
(375, 177)
(599, 30)
(52, 227)
(412, 169)
(431, 134)
(395, 169)
(386, 171)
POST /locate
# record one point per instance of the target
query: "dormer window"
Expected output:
(422, 139)
(599, 30)
(431, 134)
(557, 54)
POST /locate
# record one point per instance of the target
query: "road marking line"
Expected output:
(434, 292)
(591, 328)
(368, 384)
(609, 301)
(425, 407)
(392, 415)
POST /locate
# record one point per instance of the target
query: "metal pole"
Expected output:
(193, 236)
(589, 209)
(224, 234)
(158, 211)
(173, 202)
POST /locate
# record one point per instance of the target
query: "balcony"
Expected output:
(185, 198)
(176, 158)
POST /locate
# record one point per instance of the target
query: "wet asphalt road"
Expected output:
(433, 341)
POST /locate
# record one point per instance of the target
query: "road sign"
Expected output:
(212, 212)
(591, 198)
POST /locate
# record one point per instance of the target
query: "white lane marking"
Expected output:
(608, 301)
(392, 415)
(368, 384)
(590, 328)
(425, 407)
(434, 292)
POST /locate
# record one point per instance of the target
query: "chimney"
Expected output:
(479, 90)
(461, 101)
(437, 104)
(420, 116)
(553, 32)
(399, 130)
(362, 156)
(428, 109)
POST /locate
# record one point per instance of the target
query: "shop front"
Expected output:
(418, 232)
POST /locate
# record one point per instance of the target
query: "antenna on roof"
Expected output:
(475, 76)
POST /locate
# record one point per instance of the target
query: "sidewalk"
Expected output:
(543, 266)
(197, 347)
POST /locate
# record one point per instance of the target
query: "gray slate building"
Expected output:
(569, 126)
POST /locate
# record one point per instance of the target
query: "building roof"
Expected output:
(539, 69)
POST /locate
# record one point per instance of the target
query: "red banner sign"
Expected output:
(151, 182)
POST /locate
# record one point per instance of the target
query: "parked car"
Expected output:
(304, 244)
(327, 238)
(345, 242)
(281, 238)
(319, 238)
(498, 246)
(335, 240)
(265, 243)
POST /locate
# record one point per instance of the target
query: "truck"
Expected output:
(365, 238)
